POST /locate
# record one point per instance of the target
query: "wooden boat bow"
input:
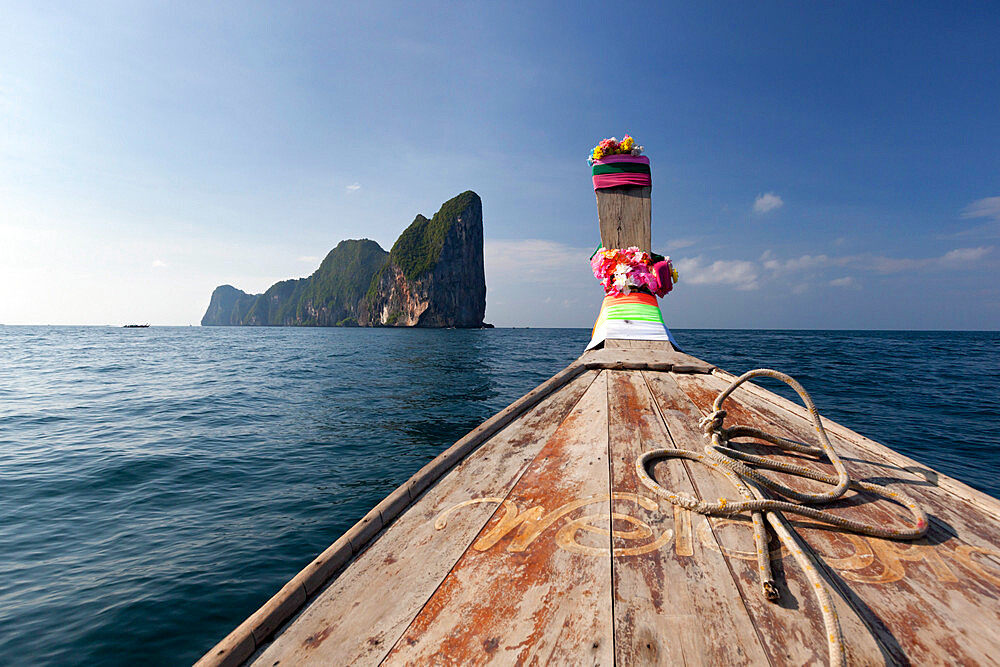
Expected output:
(531, 540)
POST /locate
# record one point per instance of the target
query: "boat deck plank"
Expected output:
(515, 598)
(662, 594)
(364, 611)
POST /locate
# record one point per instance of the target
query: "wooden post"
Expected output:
(625, 214)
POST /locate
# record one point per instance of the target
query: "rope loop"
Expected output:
(743, 468)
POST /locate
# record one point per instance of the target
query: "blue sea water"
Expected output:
(158, 485)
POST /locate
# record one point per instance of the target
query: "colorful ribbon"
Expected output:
(615, 170)
(633, 316)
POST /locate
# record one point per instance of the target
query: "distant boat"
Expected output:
(135, 326)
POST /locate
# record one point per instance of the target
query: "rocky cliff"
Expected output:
(329, 297)
(228, 306)
(432, 277)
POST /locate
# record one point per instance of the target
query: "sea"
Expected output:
(158, 485)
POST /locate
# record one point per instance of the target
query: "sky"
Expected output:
(821, 165)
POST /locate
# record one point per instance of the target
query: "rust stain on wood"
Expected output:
(535, 601)
(540, 547)
(378, 595)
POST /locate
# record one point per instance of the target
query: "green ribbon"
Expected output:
(634, 312)
(621, 168)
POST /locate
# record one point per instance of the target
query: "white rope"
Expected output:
(751, 484)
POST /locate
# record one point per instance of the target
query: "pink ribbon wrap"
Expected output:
(629, 178)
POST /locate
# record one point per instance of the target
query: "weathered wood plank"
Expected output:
(660, 345)
(361, 614)
(625, 215)
(791, 630)
(628, 344)
(937, 598)
(644, 358)
(528, 590)
(669, 608)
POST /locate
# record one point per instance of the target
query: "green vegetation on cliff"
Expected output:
(418, 248)
(276, 304)
(329, 297)
(228, 306)
(341, 281)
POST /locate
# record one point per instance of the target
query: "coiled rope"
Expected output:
(749, 482)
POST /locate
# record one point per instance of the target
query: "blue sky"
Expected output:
(814, 166)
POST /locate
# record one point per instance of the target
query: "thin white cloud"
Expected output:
(767, 202)
(159, 264)
(679, 244)
(958, 258)
(805, 262)
(965, 255)
(988, 207)
(547, 282)
(309, 259)
(736, 272)
(526, 269)
(353, 187)
(846, 281)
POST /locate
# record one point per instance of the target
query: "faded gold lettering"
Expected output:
(442, 519)
(534, 521)
(566, 537)
(886, 557)
(892, 556)
(861, 557)
(963, 554)
(708, 540)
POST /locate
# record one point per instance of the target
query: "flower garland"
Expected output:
(624, 271)
(614, 147)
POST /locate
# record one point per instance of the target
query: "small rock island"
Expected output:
(432, 277)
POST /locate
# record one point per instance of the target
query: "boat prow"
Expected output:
(531, 539)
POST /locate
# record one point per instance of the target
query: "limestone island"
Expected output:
(432, 277)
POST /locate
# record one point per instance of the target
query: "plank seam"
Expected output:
(235, 648)
(611, 528)
(711, 528)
